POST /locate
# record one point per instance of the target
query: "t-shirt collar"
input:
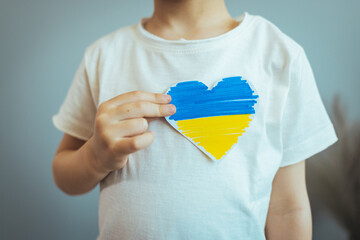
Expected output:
(182, 45)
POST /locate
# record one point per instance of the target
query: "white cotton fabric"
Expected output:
(172, 190)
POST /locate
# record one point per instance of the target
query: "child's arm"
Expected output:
(120, 129)
(289, 215)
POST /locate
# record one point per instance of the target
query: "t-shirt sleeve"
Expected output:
(306, 128)
(77, 113)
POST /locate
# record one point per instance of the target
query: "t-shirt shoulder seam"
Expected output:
(297, 56)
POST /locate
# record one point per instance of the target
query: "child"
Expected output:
(154, 183)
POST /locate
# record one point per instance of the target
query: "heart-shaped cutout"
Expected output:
(213, 119)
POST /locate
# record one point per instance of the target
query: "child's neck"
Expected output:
(189, 19)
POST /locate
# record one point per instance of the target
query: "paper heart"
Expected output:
(213, 119)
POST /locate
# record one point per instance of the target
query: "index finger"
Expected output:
(135, 96)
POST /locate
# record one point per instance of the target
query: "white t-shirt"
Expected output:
(171, 189)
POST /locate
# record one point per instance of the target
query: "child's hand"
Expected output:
(120, 128)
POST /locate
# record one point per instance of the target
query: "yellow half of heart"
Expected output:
(215, 134)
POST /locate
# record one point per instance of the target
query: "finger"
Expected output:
(141, 109)
(129, 127)
(139, 96)
(135, 143)
(150, 119)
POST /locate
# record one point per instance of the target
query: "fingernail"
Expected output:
(171, 108)
(167, 97)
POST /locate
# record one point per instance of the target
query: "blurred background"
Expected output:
(42, 43)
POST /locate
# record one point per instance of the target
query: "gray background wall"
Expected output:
(41, 45)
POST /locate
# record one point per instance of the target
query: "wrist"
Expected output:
(91, 162)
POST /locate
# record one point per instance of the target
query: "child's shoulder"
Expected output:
(109, 41)
(272, 36)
